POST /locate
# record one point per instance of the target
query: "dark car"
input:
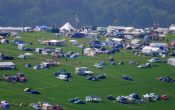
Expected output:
(73, 99)
(134, 95)
(28, 49)
(34, 92)
(101, 76)
(79, 102)
(92, 78)
(8, 57)
(126, 77)
(31, 91)
(110, 97)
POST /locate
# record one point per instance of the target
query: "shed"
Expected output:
(171, 61)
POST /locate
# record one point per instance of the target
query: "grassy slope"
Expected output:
(57, 91)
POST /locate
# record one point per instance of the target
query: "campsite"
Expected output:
(116, 66)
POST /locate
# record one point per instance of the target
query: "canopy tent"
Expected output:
(67, 27)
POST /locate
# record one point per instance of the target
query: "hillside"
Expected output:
(91, 12)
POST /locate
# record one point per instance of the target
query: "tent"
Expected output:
(74, 42)
(171, 61)
(159, 45)
(67, 27)
(135, 41)
(172, 43)
(21, 46)
(28, 65)
(4, 41)
(149, 50)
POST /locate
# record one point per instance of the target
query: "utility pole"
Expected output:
(77, 19)
(115, 20)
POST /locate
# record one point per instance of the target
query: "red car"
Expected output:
(164, 97)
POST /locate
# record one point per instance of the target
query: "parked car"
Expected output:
(93, 78)
(101, 76)
(97, 65)
(31, 91)
(110, 97)
(144, 65)
(73, 99)
(122, 99)
(155, 60)
(79, 102)
(28, 49)
(126, 77)
(164, 97)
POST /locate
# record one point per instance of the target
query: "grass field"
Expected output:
(58, 91)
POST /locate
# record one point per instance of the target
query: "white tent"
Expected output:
(74, 42)
(171, 61)
(135, 41)
(67, 27)
(149, 50)
(172, 27)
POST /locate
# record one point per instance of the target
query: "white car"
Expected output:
(45, 53)
(97, 65)
(144, 65)
(154, 60)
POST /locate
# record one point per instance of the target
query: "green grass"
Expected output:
(58, 91)
(171, 37)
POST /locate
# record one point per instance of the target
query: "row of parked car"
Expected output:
(134, 98)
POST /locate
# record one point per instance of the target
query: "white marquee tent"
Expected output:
(67, 27)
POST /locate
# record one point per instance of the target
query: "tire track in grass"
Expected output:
(42, 81)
